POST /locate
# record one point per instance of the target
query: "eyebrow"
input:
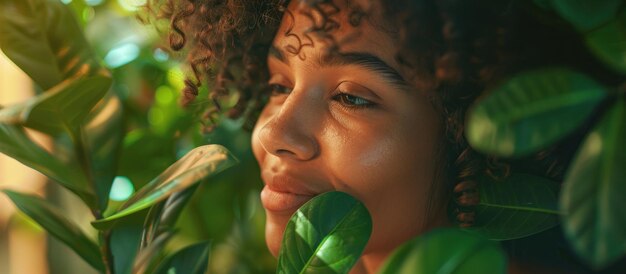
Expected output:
(361, 59)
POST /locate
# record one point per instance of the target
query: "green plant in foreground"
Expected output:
(75, 109)
(537, 108)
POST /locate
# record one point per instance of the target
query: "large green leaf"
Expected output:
(447, 251)
(326, 235)
(63, 108)
(532, 111)
(609, 42)
(104, 133)
(193, 259)
(58, 226)
(520, 206)
(43, 39)
(16, 144)
(198, 164)
(594, 190)
(587, 14)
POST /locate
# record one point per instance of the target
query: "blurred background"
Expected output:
(147, 77)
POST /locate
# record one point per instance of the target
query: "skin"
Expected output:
(342, 126)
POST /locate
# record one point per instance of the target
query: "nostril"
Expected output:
(283, 152)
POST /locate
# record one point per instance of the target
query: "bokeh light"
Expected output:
(122, 189)
(121, 55)
(131, 5)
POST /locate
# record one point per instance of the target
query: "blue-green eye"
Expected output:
(352, 101)
(277, 89)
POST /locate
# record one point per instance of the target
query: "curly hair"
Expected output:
(457, 50)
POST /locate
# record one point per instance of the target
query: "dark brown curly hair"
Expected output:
(457, 51)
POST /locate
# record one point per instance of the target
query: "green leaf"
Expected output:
(193, 259)
(520, 206)
(124, 246)
(58, 226)
(608, 43)
(326, 235)
(104, 133)
(594, 190)
(16, 144)
(198, 164)
(43, 39)
(449, 251)
(63, 108)
(532, 110)
(148, 258)
(162, 216)
(587, 14)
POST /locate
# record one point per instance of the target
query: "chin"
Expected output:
(274, 230)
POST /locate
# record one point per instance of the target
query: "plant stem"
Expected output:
(104, 236)
(105, 250)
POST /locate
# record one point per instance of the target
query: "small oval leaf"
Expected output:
(449, 251)
(532, 111)
(594, 190)
(196, 165)
(520, 206)
(58, 226)
(326, 235)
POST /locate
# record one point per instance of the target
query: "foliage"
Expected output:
(447, 251)
(535, 109)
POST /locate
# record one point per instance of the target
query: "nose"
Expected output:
(290, 131)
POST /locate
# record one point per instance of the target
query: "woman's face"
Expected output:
(345, 122)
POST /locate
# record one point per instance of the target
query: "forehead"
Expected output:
(337, 25)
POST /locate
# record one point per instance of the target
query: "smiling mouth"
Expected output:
(282, 202)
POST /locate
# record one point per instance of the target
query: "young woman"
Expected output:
(368, 98)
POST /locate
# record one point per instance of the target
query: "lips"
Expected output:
(283, 194)
(282, 202)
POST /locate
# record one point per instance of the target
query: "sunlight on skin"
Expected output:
(345, 126)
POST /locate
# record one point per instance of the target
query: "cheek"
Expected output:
(390, 169)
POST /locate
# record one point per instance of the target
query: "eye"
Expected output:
(277, 89)
(352, 101)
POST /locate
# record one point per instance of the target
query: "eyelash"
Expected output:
(340, 97)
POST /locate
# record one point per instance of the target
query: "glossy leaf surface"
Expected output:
(608, 42)
(193, 259)
(63, 108)
(16, 144)
(594, 190)
(449, 251)
(44, 40)
(532, 110)
(58, 226)
(326, 235)
(196, 165)
(520, 206)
